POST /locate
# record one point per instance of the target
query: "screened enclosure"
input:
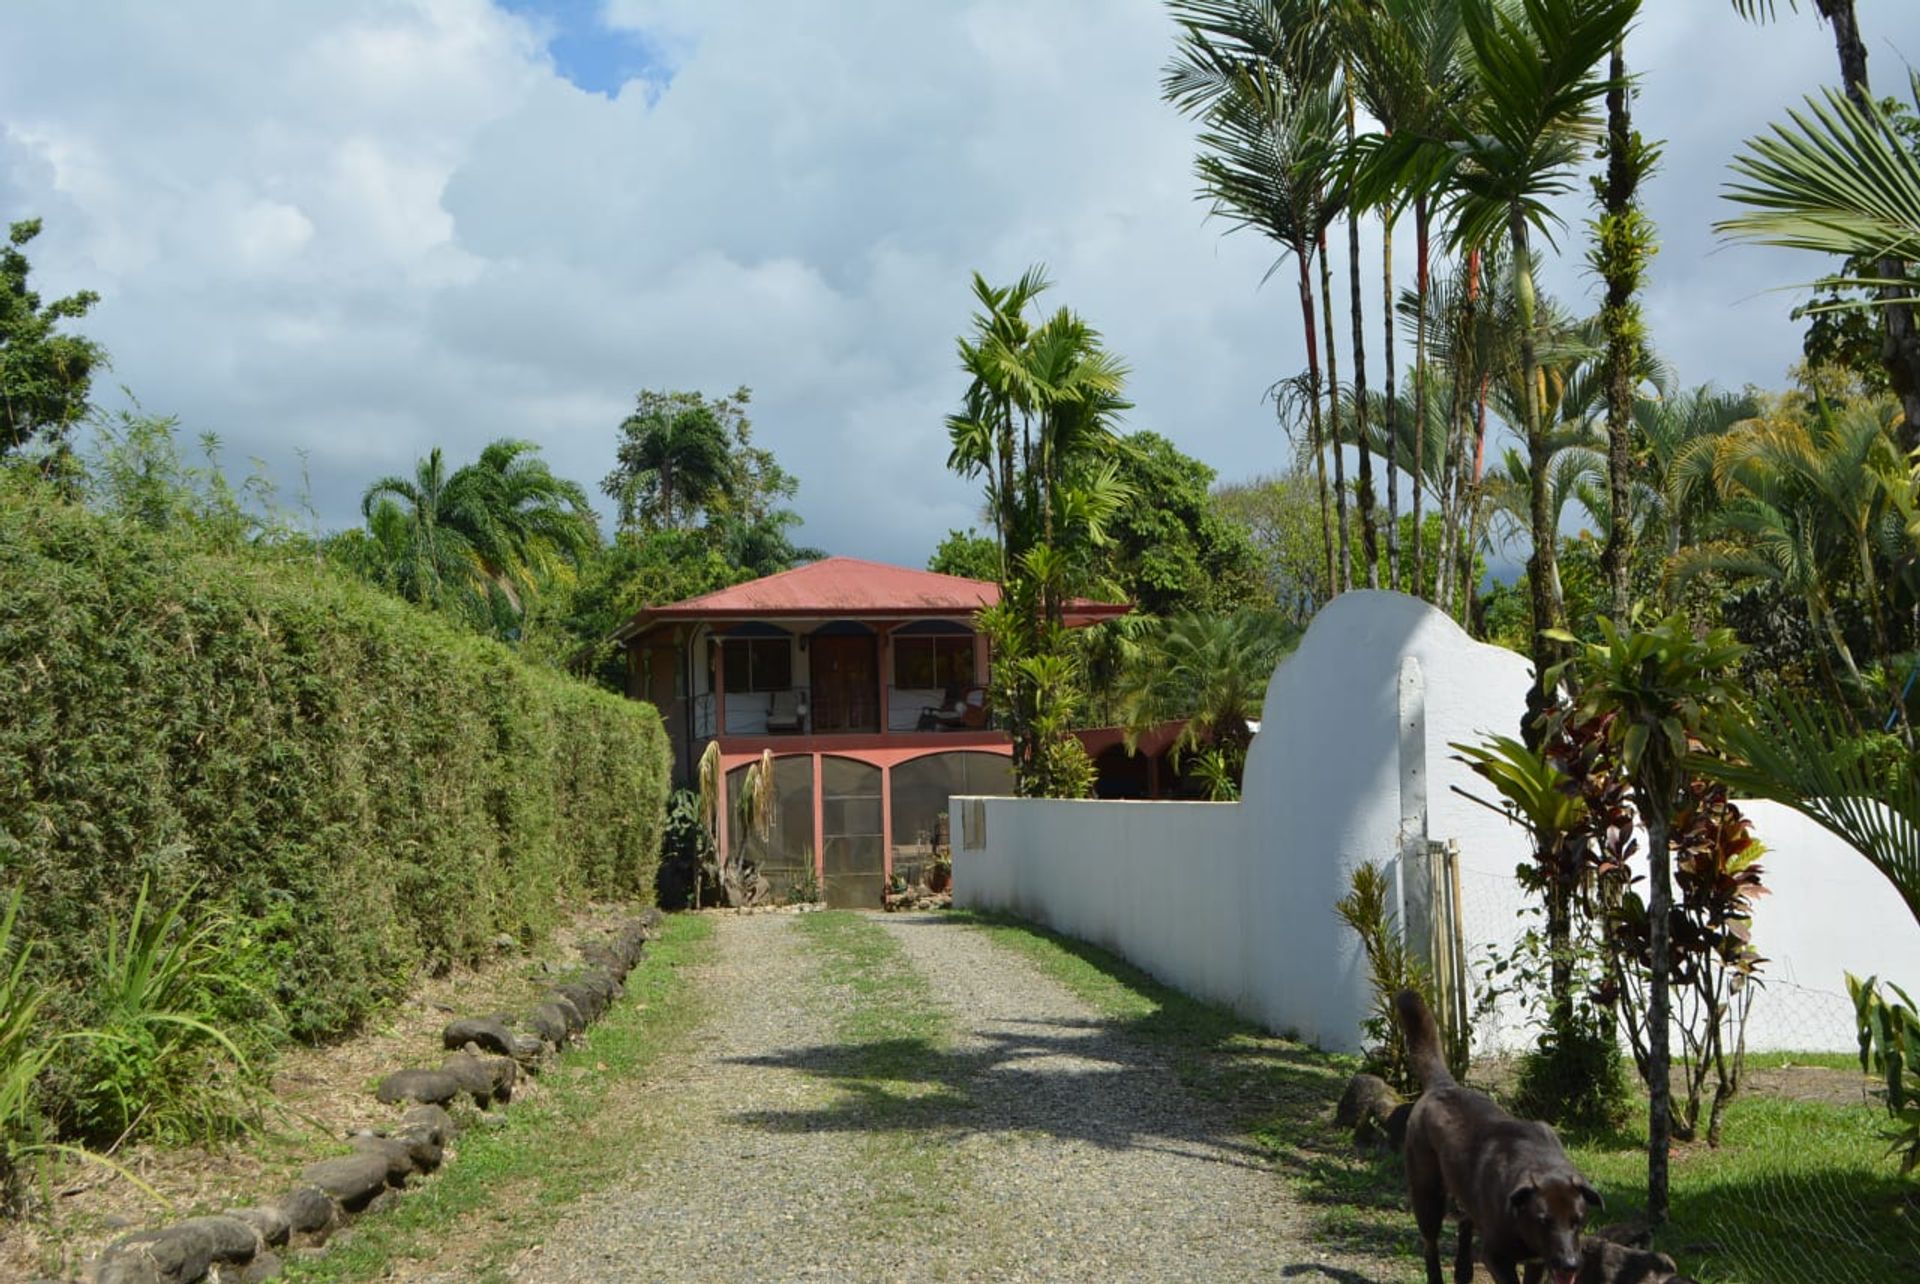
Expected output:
(850, 827)
(921, 788)
(785, 854)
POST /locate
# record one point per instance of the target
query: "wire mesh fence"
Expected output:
(1801, 1189)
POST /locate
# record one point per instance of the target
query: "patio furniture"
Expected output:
(965, 709)
(787, 711)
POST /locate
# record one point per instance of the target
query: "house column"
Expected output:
(719, 685)
(885, 667)
(819, 827)
(720, 810)
(886, 822)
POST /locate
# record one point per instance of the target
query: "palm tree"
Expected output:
(1808, 758)
(1805, 502)
(1053, 491)
(674, 456)
(1623, 245)
(1207, 672)
(983, 432)
(431, 560)
(1369, 534)
(1259, 78)
(1076, 386)
(479, 539)
(1458, 329)
(1532, 70)
(1406, 66)
(1676, 506)
(527, 525)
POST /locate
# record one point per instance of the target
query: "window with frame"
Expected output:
(933, 663)
(757, 664)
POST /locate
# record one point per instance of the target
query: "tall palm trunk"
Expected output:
(1316, 441)
(1450, 493)
(1005, 515)
(1542, 566)
(1369, 532)
(1333, 421)
(1659, 1055)
(1393, 409)
(1458, 499)
(1618, 257)
(1422, 249)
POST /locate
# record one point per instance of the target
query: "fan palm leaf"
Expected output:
(1839, 179)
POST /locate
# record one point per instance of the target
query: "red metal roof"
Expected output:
(842, 587)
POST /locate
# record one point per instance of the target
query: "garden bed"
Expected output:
(317, 1096)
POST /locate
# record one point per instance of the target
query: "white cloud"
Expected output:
(368, 227)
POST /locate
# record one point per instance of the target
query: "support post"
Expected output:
(1415, 882)
(819, 828)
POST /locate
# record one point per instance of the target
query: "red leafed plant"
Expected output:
(1711, 962)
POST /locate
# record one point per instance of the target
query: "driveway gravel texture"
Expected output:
(1017, 1136)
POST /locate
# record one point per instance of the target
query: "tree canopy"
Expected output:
(45, 375)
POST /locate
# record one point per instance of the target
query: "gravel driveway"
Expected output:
(1073, 1152)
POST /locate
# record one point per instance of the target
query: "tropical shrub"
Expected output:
(1573, 803)
(686, 853)
(160, 1062)
(369, 788)
(1712, 967)
(22, 1057)
(1391, 968)
(1890, 1047)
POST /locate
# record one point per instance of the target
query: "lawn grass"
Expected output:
(505, 1181)
(892, 1064)
(1800, 1192)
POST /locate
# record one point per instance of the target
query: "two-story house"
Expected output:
(867, 682)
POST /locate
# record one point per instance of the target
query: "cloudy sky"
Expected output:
(360, 228)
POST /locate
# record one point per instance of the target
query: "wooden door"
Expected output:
(846, 683)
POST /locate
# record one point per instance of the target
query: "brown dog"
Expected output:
(1510, 1178)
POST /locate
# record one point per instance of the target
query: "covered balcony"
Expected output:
(838, 678)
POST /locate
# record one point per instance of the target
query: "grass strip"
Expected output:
(1798, 1192)
(506, 1180)
(893, 1066)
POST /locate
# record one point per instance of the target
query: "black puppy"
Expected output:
(1511, 1178)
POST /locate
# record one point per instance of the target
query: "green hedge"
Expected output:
(381, 792)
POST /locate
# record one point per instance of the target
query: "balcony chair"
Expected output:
(787, 711)
(965, 709)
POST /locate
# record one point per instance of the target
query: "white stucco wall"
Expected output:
(1233, 901)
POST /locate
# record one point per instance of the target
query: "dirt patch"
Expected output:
(319, 1095)
(1809, 1083)
(1826, 1084)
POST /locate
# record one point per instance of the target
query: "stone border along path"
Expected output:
(488, 1056)
(1069, 1151)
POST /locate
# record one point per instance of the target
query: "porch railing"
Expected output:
(909, 709)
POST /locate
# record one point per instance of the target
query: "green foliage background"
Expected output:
(377, 791)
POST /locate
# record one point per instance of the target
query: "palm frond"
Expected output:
(1840, 179)
(1802, 755)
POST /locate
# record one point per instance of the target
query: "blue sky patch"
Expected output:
(590, 54)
